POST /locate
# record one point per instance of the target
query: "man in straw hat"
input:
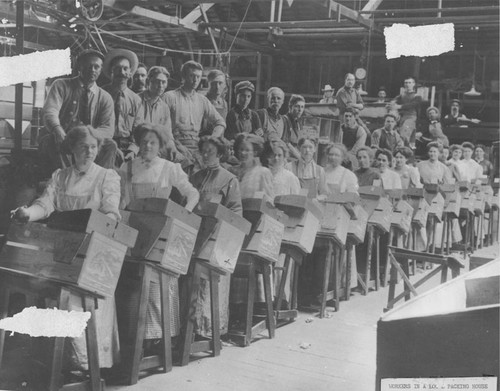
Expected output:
(189, 112)
(119, 66)
(73, 101)
(328, 95)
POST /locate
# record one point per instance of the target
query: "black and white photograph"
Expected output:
(249, 195)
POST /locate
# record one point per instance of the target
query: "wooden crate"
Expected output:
(335, 221)
(303, 220)
(488, 195)
(357, 225)
(402, 216)
(415, 197)
(464, 185)
(268, 228)
(86, 257)
(467, 202)
(167, 232)
(479, 202)
(436, 204)
(382, 215)
(221, 235)
(452, 203)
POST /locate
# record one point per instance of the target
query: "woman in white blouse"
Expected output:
(146, 176)
(339, 179)
(83, 185)
(274, 156)
(390, 179)
(410, 177)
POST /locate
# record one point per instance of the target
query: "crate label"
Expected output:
(179, 247)
(102, 265)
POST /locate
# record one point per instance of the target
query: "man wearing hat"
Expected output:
(119, 66)
(190, 111)
(327, 95)
(387, 137)
(455, 117)
(74, 101)
(241, 119)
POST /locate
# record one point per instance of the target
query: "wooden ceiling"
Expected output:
(305, 27)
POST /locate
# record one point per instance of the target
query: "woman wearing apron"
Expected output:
(241, 119)
(83, 185)
(311, 176)
(148, 175)
(218, 185)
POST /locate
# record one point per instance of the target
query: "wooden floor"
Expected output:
(335, 353)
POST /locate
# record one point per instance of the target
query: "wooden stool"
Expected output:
(205, 270)
(249, 265)
(15, 281)
(133, 352)
(334, 257)
(292, 253)
(400, 265)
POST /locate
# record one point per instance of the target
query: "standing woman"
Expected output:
(80, 186)
(311, 176)
(148, 175)
(216, 184)
(410, 177)
(452, 164)
(273, 123)
(339, 178)
(241, 119)
(274, 156)
(250, 173)
(432, 170)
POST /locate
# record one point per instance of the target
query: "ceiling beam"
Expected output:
(27, 44)
(195, 14)
(353, 15)
(485, 9)
(298, 24)
(372, 5)
(470, 20)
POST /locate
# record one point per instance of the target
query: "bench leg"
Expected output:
(214, 308)
(189, 319)
(252, 281)
(349, 250)
(139, 328)
(295, 285)
(165, 320)
(4, 308)
(55, 382)
(326, 278)
(281, 289)
(92, 347)
(270, 321)
(387, 262)
(368, 260)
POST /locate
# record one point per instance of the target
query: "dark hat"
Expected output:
(457, 101)
(88, 53)
(244, 85)
(114, 53)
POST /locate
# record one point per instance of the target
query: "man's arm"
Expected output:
(214, 118)
(360, 140)
(376, 139)
(52, 107)
(105, 117)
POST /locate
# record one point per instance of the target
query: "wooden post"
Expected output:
(18, 133)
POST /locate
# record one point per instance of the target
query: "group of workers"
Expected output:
(108, 146)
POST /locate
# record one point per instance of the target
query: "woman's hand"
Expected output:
(20, 214)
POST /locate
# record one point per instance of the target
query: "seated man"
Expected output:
(455, 117)
(353, 136)
(73, 101)
(387, 137)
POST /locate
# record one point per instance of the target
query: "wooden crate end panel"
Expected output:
(266, 240)
(179, 247)
(102, 266)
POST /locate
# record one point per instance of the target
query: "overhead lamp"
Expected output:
(473, 91)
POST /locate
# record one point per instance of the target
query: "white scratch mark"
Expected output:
(34, 66)
(38, 322)
(420, 41)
